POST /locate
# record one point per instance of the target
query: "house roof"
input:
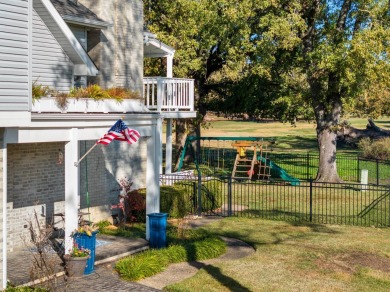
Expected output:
(153, 48)
(83, 65)
(76, 13)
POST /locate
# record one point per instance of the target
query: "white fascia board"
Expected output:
(43, 135)
(86, 22)
(14, 119)
(179, 115)
(163, 49)
(90, 69)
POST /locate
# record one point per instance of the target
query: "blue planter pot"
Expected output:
(89, 242)
(157, 227)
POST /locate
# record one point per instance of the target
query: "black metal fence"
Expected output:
(304, 166)
(352, 204)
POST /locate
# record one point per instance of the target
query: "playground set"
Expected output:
(242, 158)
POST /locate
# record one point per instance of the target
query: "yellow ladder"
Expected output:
(244, 166)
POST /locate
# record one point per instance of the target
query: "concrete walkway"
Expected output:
(236, 249)
(104, 277)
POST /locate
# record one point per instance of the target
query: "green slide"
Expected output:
(278, 172)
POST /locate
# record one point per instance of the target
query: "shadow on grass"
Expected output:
(216, 273)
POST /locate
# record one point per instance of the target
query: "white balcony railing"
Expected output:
(169, 94)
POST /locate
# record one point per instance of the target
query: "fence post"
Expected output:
(311, 200)
(194, 196)
(199, 194)
(307, 165)
(377, 172)
(229, 196)
(358, 169)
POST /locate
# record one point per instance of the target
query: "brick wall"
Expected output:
(117, 50)
(107, 164)
(37, 182)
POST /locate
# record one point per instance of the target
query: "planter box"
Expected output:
(87, 105)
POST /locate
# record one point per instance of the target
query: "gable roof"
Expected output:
(154, 48)
(83, 65)
(76, 13)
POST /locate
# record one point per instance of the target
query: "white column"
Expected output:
(72, 186)
(170, 66)
(154, 159)
(168, 147)
(4, 201)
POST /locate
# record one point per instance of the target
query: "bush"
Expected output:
(378, 149)
(135, 206)
(38, 90)
(175, 201)
(211, 195)
(199, 246)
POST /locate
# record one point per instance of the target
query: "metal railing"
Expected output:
(168, 94)
(304, 166)
(325, 203)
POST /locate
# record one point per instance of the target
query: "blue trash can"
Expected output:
(89, 242)
(157, 228)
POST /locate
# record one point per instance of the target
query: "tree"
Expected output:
(278, 58)
(211, 38)
(330, 55)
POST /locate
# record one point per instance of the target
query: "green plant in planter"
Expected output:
(39, 90)
(93, 91)
(120, 93)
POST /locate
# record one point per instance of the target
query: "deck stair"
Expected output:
(247, 167)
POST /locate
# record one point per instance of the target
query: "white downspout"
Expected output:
(4, 255)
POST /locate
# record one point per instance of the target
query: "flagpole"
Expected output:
(90, 149)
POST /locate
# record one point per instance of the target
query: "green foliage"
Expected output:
(199, 245)
(175, 200)
(135, 230)
(377, 149)
(38, 90)
(103, 224)
(281, 59)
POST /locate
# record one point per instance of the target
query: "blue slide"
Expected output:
(278, 172)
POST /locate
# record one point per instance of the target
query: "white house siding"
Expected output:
(14, 55)
(1, 201)
(50, 65)
(117, 50)
(36, 182)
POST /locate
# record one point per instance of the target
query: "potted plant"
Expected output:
(85, 238)
(76, 261)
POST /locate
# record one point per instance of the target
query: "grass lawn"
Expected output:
(302, 137)
(298, 257)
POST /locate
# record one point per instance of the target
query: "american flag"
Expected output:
(119, 131)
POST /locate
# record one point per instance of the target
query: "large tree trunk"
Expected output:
(327, 169)
(352, 135)
(180, 139)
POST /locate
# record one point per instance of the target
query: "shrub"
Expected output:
(135, 206)
(377, 149)
(211, 195)
(120, 93)
(175, 201)
(38, 90)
